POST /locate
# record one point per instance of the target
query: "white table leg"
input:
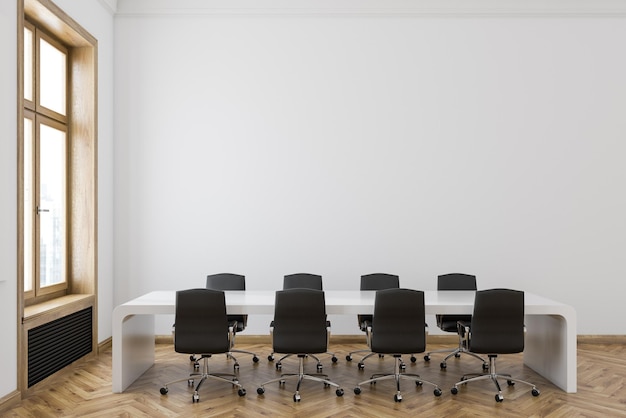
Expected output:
(133, 349)
(550, 348)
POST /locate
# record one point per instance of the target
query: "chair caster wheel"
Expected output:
(236, 366)
(426, 357)
(403, 366)
(334, 359)
(535, 392)
(192, 358)
(279, 366)
(357, 390)
(457, 355)
(499, 398)
(413, 359)
(260, 391)
(348, 357)
(339, 392)
(270, 358)
(319, 368)
(397, 397)
(361, 366)
(443, 365)
(255, 359)
(241, 392)
(510, 382)
(163, 391)
(454, 390)
(437, 392)
(485, 366)
(195, 398)
(418, 383)
(296, 398)
(190, 382)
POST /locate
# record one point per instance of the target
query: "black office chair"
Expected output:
(497, 327)
(202, 328)
(300, 328)
(374, 281)
(302, 281)
(449, 323)
(398, 327)
(230, 281)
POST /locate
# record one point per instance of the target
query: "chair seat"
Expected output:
(448, 326)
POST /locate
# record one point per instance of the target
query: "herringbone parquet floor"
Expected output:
(85, 389)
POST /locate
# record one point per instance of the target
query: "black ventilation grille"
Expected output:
(56, 344)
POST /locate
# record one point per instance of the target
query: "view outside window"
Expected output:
(51, 210)
(28, 205)
(28, 64)
(52, 77)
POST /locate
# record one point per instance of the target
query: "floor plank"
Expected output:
(85, 389)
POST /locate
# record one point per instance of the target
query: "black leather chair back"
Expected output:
(379, 281)
(226, 281)
(454, 281)
(229, 281)
(302, 281)
(498, 322)
(398, 326)
(300, 322)
(201, 323)
(376, 281)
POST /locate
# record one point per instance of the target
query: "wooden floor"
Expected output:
(85, 390)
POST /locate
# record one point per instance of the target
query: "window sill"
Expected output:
(50, 310)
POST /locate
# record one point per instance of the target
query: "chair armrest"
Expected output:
(232, 326)
(463, 328)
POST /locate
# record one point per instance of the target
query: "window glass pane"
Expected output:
(28, 205)
(28, 64)
(52, 77)
(52, 206)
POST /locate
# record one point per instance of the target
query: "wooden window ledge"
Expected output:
(50, 310)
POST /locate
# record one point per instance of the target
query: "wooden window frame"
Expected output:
(39, 115)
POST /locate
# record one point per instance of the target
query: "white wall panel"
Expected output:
(344, 144)
(8, 191)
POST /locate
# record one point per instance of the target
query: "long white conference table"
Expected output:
(550, 347)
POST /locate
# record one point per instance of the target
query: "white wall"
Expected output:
(273, 142)
(8, 191)
(97, 18)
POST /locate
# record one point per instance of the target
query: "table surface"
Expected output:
(342, 302)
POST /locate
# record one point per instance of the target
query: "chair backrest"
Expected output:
(378, 281)
(302, 281)
(201, 322)
(498, 322)
(300, 321)
(398, 326)
(226, 281)
(229, 281)
(456, 281)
